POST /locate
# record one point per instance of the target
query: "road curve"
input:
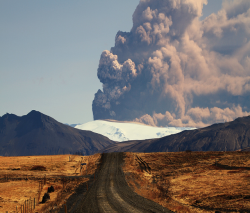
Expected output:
(111, 193)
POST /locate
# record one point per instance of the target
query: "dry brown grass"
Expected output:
(20, 177)
(192, 181)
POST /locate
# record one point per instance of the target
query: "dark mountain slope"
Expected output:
(39, 134)
(230, 136)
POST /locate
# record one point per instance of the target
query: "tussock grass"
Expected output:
(22, 178)
(192, 181)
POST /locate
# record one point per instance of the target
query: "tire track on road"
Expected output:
(111, 193)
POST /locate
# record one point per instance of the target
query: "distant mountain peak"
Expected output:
(39, 134)
(35, 113)
(30, 114)
(9, 117)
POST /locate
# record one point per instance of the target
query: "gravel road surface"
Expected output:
(111, 193)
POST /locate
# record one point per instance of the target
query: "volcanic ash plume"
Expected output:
(172, 69)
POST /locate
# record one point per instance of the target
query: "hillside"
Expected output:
(39, 134)
(229, 136)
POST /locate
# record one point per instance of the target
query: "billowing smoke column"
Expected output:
(172, 69)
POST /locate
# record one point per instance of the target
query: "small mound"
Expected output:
(38, 168)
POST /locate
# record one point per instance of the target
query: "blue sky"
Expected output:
(50, 52)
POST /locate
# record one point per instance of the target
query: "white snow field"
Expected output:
(120, 131)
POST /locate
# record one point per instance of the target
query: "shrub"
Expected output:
(46, 197)
(51, 189)
(39, 168)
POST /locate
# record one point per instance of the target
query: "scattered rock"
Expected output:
(46, 197)
(247, 197)
(39, 168)
(51, 189)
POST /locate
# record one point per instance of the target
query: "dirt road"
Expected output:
(111, 193)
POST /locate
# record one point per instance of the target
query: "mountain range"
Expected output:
(229, 136)
(39, 134)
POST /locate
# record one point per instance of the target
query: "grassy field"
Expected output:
(192, 181)
(23, 178)
(180, 181)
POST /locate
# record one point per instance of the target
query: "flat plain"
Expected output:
(192, 181)
(180, 181)
(28, 177)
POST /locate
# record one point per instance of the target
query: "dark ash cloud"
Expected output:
(172, 69)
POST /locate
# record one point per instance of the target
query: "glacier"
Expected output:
(125, 131)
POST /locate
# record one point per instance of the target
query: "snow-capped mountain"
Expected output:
(120, 131)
